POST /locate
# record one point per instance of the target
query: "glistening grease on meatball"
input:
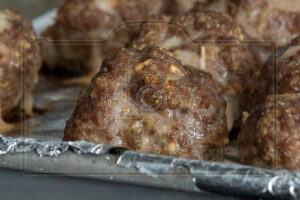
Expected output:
(19, 60)
(147, 101)
(208, 41)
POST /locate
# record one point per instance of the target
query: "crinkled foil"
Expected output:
(43, 136)
(49, 148)
(223, 178)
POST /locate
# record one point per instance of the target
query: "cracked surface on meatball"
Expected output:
(19, 56)
(270, 136)
(147, 101)
(209, 41)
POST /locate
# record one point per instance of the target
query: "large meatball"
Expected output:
(269, 20)
(209, 41)
(270, 136)
(20, 61)
(147, 101)
(85, 32)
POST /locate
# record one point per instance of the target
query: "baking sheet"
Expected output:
(38, 149)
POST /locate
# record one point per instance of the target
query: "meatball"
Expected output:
(209, 41)
(20, 61)
(85, 32)
(269, 20)
(270, 136)
(287, 74)
(288, 69)
(145, 100)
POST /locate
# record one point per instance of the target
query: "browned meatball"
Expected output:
(20, 61)
(269, 20)
(209, 41)
(277, 117)
(85, 32)
(287, 79)
(270, 136)
(147, 101)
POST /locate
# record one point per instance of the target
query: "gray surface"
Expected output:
(30, 8)
(15, 185)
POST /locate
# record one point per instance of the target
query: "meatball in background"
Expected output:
(85, 32)
(276, 21)
(20, 61)
(270, 136)
(147, 101)
(280, 74)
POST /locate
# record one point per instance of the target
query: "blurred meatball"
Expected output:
(85, 32)
(287, 63)
(270, 136)
(209, 41)
(19, 63)
(269, 20)
(147, 101)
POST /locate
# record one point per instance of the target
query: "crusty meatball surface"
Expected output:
(270, 136)
(19, 60)
(209, 41)
(147, 101)
(85, 32)
(269, 20)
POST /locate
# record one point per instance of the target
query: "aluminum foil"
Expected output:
(43, 137)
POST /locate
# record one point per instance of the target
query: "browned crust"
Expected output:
(116, 109)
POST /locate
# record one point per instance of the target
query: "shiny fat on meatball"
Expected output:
(85, 32)
(208, 41)
(270, 136)
(20, 61)
(147, 101)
